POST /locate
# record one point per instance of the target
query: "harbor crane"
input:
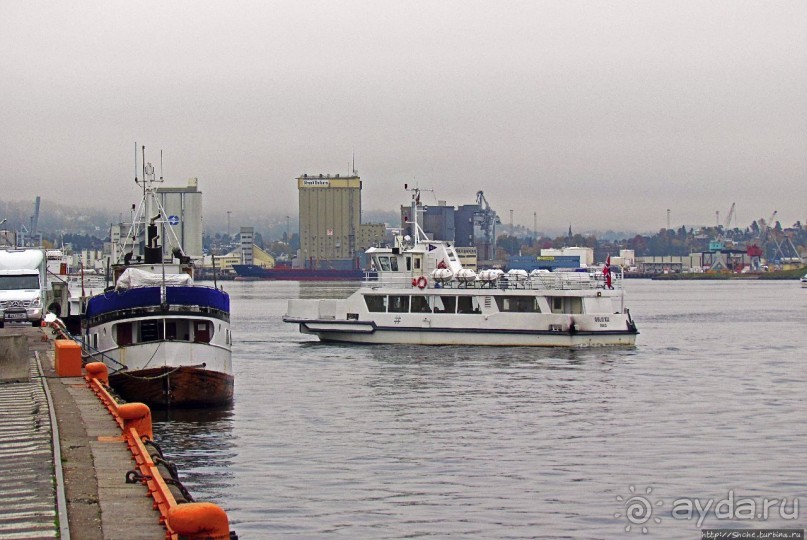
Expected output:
(756, 250)
(730, 217)
(783, 250)
(35, 218)
(486, 219)
(765, 228)
(723, 237)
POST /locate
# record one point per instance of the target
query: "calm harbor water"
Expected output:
(401, 442)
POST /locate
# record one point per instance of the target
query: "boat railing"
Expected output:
(549, 281)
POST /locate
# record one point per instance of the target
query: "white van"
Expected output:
(23, 279)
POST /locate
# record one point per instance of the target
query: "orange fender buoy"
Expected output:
(199, 520)
(97, 370)
(138, 416)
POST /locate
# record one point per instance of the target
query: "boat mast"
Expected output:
(415, 203)
(417, 232)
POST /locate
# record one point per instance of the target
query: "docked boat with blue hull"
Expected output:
(166, 340)
(164, 346)
(423, 295)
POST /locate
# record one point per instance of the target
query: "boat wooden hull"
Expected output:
(183, 387)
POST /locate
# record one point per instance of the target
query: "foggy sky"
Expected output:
(595, 114)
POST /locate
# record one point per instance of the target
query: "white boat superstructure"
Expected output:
(420, 293)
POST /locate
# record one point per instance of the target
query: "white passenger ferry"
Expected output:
(421, 294)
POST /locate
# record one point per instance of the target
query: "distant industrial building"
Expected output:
(183, 211)
(183, 207)
(543, 262)
(247, 244)
(464, 231)
(247, 253)
(369, 235)
(723, 260)
(584, 255)
(467, 226)
(331, 233)
(468, 257)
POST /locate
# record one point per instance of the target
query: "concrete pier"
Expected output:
(76, 486)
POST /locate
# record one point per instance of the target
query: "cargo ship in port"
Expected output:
(253, 272)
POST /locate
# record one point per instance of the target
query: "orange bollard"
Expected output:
(138, 416)
(67, 358)
(199, 520)
(98, 370)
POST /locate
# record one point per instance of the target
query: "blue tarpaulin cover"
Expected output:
(198, 296)
(150, 296)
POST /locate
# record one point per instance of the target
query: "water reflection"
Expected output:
(402, 441)
(200, 442)
(327, 289)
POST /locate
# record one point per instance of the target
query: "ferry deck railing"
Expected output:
(549, 281)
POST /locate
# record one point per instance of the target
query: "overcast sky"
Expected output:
(595, 114)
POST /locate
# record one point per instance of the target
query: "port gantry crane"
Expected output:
(772, 244)
(486, 219)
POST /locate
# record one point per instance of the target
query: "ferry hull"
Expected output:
(165, 387)
(368, 333)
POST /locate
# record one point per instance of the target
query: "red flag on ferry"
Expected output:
(606, 272)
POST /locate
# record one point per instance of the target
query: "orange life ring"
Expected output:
(422, 282)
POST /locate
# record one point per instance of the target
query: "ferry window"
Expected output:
(445, 304)
(468, 304)
(518, 304)
(123, 334)
(383, 263)
(420, 304)
(376, 303)
(151, 331)
(409, 264)
(417, 263)
(393, 264)
(398, 304)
